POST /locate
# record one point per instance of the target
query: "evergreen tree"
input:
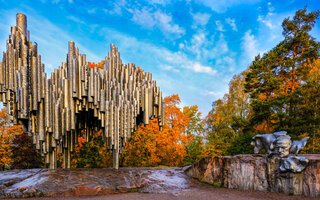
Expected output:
(274, 79)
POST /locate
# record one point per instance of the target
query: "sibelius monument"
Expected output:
(77, 97)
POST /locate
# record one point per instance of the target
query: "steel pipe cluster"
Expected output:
(115, 99)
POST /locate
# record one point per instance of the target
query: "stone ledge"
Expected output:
(257, 172)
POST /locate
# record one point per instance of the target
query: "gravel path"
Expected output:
(202, 193)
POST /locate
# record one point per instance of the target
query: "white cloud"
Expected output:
(92, 11)
(159, 2)
(230, 62)
(200, 19)
(169, 68)
(204, 47)
(197, 44)
(75, 19)
(144, 18)
(166, 24)
(199, 68)
(219, 25)
(221, 6)
(148, 19)
(214, 93)
(118, 6)
(232, 23)
(266, 21)
(249, 46)
(147, 16)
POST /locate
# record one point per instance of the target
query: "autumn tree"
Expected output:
(228, 118)
(309, 108)
(24, 154)
(7, 133)
(150, 147)
(91, 154)
(195, 130)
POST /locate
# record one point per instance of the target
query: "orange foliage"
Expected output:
(99, 65)
(94, 146)
(141, 71)
(92, 65)
(151, 147)
(7, 133)
(81, 140)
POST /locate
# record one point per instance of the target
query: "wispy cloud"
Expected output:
(267, 19)
(144, 18)
(92, 11)
(169, 68)
(200, 19)
(219, 25)
(148, 19)
(222, 6)
(249, 46)
(159, 2)
(75, 19)
(117, 7)
(232, 23)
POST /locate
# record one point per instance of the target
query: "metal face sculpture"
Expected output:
(280, 144)
(114, 99)
(266, 141)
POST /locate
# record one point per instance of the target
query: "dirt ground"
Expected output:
(203, 193)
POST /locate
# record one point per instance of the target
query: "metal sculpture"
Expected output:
(298, 145)
(294, 164)
(114, 99)
(280, 144)
(266, 141)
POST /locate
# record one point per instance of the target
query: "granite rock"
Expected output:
(258, 172)
(92, 182)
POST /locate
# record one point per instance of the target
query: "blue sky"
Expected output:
(192, 48)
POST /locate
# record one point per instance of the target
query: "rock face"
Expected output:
(91, 182)
(257, 172)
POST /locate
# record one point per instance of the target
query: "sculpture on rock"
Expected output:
(282, 145)
(279, 144)
(294, 164)
(298, 145)
(78, 96)
(266, 141)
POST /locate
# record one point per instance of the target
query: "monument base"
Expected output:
(257, 172)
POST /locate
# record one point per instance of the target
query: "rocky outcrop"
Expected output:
(91, 182)
(257, 172)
